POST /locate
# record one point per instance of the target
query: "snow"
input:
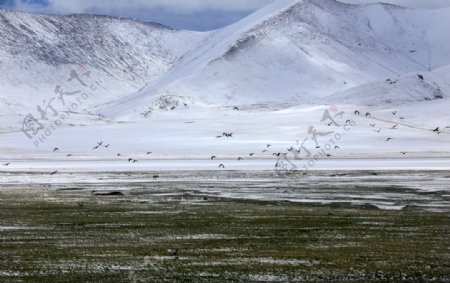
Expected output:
(172, 92)
(101, 165)
(387, 189)
(191, 135)
(293, 52)
(399, 90)
(39, 51)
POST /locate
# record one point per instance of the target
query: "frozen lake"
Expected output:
(385, 189)
(122, 164)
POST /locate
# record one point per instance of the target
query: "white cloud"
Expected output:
(175, 6)
(184, 6)
(427, 4)
(186, 14)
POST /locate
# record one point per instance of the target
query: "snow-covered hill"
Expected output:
(38, 52)
(296, 51)
(289, 52)
(414, 88)
(173, 92)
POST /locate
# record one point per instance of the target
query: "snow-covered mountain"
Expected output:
(38, 52)
(300, 51)
(282, 66)
(290, 52)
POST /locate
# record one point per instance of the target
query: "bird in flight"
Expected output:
(394, 127)
(377, 131)
(213, 157)
(394, 113)
(251, 154)
(403, 152)
(388, 139)
(148, 153)
(222, 166)
(235, 108)
(373, 125)
(7, 164)
(269, 145)
(55, 149)
(436, 130)
(357, 112)
(69, 155)
(240, 158)
(96, 147)
(368, 114)
(54, 172)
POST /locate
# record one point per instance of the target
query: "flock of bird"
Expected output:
(99, 145)
(394, 127)
(291, 149)
(222, 166)
(394, 113)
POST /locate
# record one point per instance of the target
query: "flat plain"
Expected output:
(163, 228)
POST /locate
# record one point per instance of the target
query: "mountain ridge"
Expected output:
(81, 15)
(270, 78)
(289, 52)
(338, 45)
(38, 52)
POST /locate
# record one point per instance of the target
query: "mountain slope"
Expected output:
(37, 52)
(284, 66)
(407, 89)
(299, 51)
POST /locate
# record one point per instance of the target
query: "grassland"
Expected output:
(77, 236)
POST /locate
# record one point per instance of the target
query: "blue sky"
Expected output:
(185, 14)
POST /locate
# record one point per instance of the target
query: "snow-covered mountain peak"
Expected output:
(289, 52)
(298, 51)
(266, 78)
(38, 52)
